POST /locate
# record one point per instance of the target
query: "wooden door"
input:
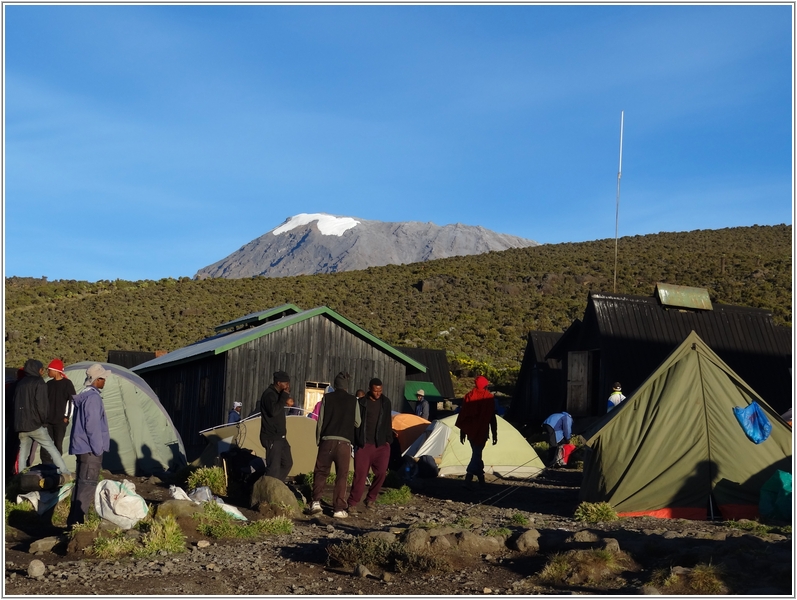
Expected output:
(578, 383)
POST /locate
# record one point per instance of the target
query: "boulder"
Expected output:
(178, 508)
(81, 541)
(272, 491)
(380, 535)
(45, 544)
(528, 541)
(440, 544)
(611, 544)
(476, 544)
(415, 540)
(36, 569)
(443, 530)
(585, 535)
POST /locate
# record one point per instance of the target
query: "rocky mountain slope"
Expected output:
(307, 244)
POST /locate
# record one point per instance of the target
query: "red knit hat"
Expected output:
(57, 365)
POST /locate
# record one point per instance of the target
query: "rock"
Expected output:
(487, 591)
(380, 535)
(361, 571)
(611, 544)
(719, 536)
(178, 508)
(80, 541)
(444, 530)
(671, 535)
(330, 528)
(202, 544)
(387, 577)
(211, 566)
(585, 535)
(440, 544)
(679, 570)
(154, 480)
(415, 540)
(36, 568)
(45, 544)
(273, 491)
(528, 541)
(649, 590)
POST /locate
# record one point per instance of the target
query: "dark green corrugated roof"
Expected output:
(263, 315)
(222, 343)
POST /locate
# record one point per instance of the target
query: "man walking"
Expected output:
(476, 420)
(373, 438)
(59, 392)
(273, 428)
(31, 411)
(90, 439)
(338, 418)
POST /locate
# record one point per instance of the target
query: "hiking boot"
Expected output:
(315, 508)
(368, 505)
(340, 514)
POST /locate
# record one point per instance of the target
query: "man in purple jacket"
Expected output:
(90, 439)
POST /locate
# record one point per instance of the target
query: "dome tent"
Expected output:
(143, 438)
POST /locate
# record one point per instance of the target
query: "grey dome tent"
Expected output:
(143, 438)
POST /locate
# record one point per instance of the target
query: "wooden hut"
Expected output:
(538, 388)
(198, 384)
(624, 338)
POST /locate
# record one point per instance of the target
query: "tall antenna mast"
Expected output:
(617, 208)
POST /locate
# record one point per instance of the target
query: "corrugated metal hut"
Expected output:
(624, 338)
(537, 392)
(198, 384)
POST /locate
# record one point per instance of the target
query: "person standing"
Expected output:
(90, 439)
(422, 405)
(273, 429)
(235, 414)
(59, 392)
(616, 397)
(338, 419)
(31, 413)
(475, 418)
(373, 438)
(559, 428)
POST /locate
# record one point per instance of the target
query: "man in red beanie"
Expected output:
(59, 392)
(475, 418)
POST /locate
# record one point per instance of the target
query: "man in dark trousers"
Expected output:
(373, 439)
(89, 440)
(338, 419)
(59, 391)
(31, 410)
(273, 429)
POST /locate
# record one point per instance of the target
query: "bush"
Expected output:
(212, 477)
(112, 545)
(215, 522)
(162, 534)
(700, 580)
(600, 512)
(519, 519)
(578, 567)
(380, 554)
(499, 532)
(403, 495)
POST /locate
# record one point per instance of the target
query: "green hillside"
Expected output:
(478, 308)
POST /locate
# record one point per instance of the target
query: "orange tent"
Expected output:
(408, 428)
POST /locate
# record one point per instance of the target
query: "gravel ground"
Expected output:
(297, 563)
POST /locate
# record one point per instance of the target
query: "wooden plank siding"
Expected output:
(193, 396)
(316, 349)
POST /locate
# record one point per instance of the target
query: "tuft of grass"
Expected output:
(758, 528)
(402, 495)
(555, 570)
(161, 534)
(499, 532)
(380, 554)
(597, 512)
(61, 512)
(578, 567)
(702, 579)
(112, 545)
(519, 519)
(215, 522)
(213, 477)
(463, 522)
(91, 523)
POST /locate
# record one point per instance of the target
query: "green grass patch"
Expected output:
(402, 495)
(702, 579)
(161, 534)
(216, 523)
(212, 477)
(585, 567)
(380, 554)
(758, 528)
(499, 532)
(113, 544)
(90, 523)
(464, 522)
(597, 512)
(519, 519)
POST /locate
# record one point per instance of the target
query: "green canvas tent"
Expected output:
(512, 456)
(675, 449)
(143, 438)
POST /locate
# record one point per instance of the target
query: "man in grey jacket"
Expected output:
(31, 410)
(90, 439)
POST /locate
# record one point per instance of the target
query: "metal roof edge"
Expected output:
(143, 368)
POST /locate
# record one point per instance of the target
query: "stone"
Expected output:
(45, 544)
(415, 540)
(381, 535)
(444, 530)
(649, 590)
(487, 590)
(202, 544)
(611, 544)
(528, 541)
(719, 536)
(36, 568)
(387, 577)
(679, 570)
(178, 508)
(81, 541)
(585, 535)
(671, 535)
(440, 544)
(361, 571)
(273, 491)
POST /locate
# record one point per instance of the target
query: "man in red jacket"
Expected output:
(475, 418)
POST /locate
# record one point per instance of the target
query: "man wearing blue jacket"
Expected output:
(558, 427)
(90, 439)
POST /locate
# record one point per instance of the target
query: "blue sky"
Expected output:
(144, 142)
